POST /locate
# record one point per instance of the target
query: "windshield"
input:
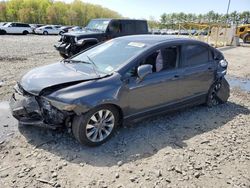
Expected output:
(98, 25)
(7, 25)
(108, 56)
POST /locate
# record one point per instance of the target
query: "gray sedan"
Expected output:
(119, 81)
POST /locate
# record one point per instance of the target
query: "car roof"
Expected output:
(151, 40)
(123, 19)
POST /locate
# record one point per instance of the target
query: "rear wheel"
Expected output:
(212, 99)
(25, 32)
(246, 38)
(96, 126)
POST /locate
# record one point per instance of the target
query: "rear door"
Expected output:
(198, 70)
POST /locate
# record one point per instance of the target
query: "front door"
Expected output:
(158, 88)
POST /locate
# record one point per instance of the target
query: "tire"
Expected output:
(60, 33)
(88, 130)
(25, 32)
(212, 99)
(3, 32)
(64, 56)
(45, 33)
(246, 38)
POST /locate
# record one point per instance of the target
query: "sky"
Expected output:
(155, 8)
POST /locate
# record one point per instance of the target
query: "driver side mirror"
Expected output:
(144, 70)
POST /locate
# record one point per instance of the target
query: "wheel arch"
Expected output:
(119, 109)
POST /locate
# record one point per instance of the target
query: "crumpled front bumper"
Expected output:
(27, 110)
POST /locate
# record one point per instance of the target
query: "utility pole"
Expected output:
(228, 5)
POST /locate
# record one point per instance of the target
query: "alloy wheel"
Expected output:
(100, 125)
(213, 96)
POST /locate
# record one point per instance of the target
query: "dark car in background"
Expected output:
(99, 30)
(66, 28)
(121, 80)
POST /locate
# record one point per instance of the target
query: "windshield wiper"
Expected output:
(93, 65)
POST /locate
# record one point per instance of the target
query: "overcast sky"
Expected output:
(147, 8)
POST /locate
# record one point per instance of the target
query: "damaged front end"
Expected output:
(36, 110)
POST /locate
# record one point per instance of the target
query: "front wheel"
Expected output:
(45, 33)
(3, 32)
(96, 126)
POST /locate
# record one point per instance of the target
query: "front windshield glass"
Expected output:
(110, 55)
(98, 25)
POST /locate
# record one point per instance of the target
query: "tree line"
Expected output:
(52, 12)
(171, 20)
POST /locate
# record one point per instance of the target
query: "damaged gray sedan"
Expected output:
(121, 80)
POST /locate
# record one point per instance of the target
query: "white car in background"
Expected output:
(15, 28)
(49, 30)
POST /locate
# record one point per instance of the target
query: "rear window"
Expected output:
(195, 55)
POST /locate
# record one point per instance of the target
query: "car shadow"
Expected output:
(140, 140)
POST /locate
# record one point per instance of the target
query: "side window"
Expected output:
(128, 27)
(48, 27)
(115, 27)
(162, 59)
(141, 27)
(25, 25)
(195, 55)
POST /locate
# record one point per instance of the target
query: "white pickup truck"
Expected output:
(15, 28)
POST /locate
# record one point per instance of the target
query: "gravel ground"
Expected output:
(196, 147)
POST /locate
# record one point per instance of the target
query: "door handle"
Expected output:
(210, 68)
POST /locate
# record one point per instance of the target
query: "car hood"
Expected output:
(84, 33)
(56, 74)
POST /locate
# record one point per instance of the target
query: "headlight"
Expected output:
(223, 63)
(75, 39)
(45, 103)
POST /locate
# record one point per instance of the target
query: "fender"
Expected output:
(82, 42)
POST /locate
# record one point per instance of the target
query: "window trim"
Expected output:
(144, 56)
